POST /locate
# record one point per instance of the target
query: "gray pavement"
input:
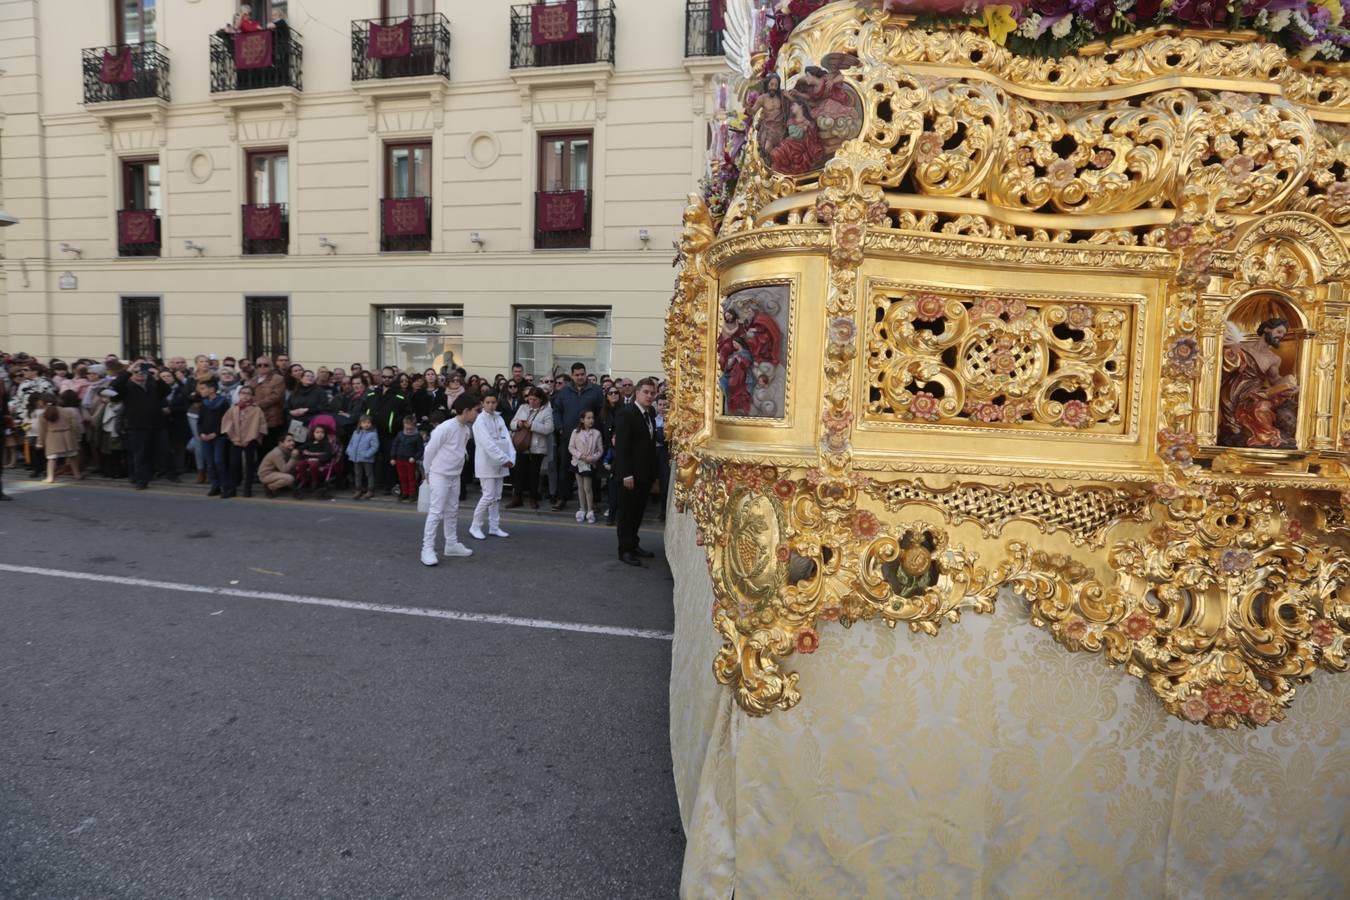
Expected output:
(156, 742)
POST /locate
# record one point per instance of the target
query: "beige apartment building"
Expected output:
(485, 183)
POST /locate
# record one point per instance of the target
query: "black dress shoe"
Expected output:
(630, 559)
(214, 492)
(645, 554)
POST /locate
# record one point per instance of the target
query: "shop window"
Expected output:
(551, 340)
(417, 338)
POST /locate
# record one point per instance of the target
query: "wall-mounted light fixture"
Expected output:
(644, 236)
(191, 247)
(326, 244)
(72, 248)
(477, 240)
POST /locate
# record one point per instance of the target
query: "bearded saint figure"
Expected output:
(1258, 404)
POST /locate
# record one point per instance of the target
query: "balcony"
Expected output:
(535, 44)
(701, 38)
(130, 72)
(568, 231)
(386, 48)
(138, 232)
(266, 228)
(254, 69)
(403, 227)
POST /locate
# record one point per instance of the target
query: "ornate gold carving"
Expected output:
(1062, 242)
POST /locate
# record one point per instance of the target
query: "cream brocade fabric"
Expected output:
(990, 762)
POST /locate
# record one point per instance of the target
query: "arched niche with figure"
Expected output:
(1260, 389)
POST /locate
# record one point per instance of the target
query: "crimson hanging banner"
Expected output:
(553, 23)
(718, 20)
(136, 226)
(252, 50)
(560, 211)
(117, 67)
(263, 223)
(405, 217)
(389, 41)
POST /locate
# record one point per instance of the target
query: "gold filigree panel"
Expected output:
(943, 357)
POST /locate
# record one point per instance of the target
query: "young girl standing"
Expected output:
(59, 430)
(586, 447)
(362, 450)
(494, 455)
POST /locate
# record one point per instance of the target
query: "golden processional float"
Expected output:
(1074, 325)
(989, 316)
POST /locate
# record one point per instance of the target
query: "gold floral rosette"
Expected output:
(1071, 326)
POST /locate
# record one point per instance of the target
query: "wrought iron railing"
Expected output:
(149, 73)
(594, 41)
(266, 245)
(401, 243)
(287, 59)
(700, 38)
(577, 239)
(430, 52)
(137, 248)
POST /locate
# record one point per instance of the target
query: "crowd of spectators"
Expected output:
(271, 423)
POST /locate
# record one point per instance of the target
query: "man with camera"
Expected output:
(144, 412)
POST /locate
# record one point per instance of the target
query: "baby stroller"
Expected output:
(330, 472)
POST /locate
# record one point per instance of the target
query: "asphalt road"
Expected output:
(158, 739)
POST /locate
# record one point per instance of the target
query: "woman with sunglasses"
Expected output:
(609, 415)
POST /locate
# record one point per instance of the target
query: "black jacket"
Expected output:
(313, 398)
(634, 449)
(142, 407)
(386, 408)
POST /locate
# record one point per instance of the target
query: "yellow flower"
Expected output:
(1000, 22)
(1333, 7)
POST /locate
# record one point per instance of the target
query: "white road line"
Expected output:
(422, 611)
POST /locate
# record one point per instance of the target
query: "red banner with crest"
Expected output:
(560, 211)
(553, 23)
(136, 226)
(252, 50)
(717, 15)
(405, 217)
(263, 223)
(389, 41)
(117, 67)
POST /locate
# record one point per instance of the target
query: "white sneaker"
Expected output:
(580, 515)
(429, 557)
(476, 533)
(497, 532)
(457, 549)
(590, 518)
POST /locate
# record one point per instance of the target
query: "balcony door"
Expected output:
(134, 20)
(267, 177)
(564, 167)
(407, 175)
(402, 9)
(140, 184)
(266, 222)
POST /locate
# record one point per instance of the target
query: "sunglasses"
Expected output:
(613, 393)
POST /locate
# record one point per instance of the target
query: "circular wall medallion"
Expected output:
(483, 149)
(199, 166)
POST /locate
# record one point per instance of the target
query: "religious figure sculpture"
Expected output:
(1259, 401)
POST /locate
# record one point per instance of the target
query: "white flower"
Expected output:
(1302, 24)
(1028, 28)
(1278, 20)
(1062, 27)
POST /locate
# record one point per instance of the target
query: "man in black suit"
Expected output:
(635, 467)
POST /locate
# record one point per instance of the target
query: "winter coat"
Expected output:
(541, 426)
(276, 462)
(19, 397)
(492, 446)
(586, 446)
(312, 399)
(62, 437)
(386, 408)
(406, 446)
(569, 404)
(142, 405)
(364, 446)
(244, 425)
(269, 395)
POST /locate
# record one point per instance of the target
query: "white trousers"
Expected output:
(442, 510)
(490, 504)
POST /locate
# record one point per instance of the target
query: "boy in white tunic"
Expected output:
(444, 461)
(494, 455)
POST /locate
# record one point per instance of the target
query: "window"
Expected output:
(549, 340)
(417, 338)
(134, 20)
(563, 198)
(262, 9)
(405, 224)
(140, 328)
(266, 224)
(267, 324)
(267, 176)
(401, 9)
(140, 184)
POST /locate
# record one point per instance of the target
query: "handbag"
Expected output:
(298, 431)
(521, 438)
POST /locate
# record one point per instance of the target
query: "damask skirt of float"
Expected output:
(1047, 361)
